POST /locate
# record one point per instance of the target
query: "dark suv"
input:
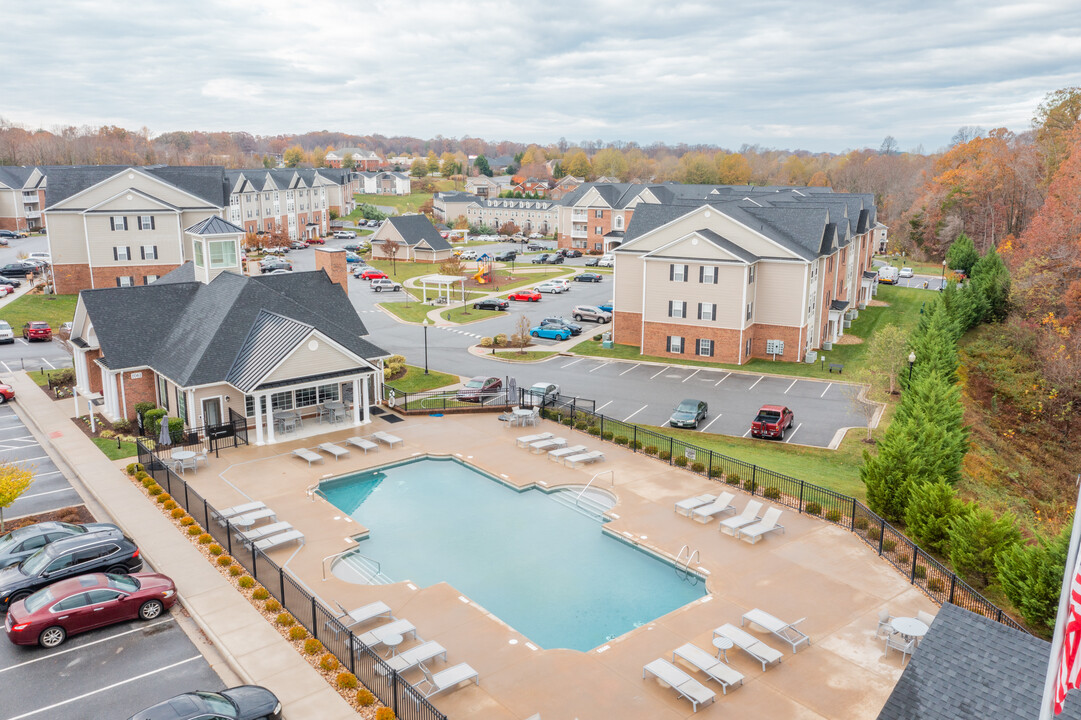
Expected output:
(101, 551)
(574, 328)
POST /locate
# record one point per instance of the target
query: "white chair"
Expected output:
(748, 516)
(446, 679)
(884, 619)
(305, 454)
(564, 452)
(414, 656)
(363, 444)
(530, 439)
(241, 509)
(546, 445)
(275, 540)
(263, 532)
(897, 642)
(784, 630)
(722, 504)
(583, 458)
(363, 614)
(248, 519)
(203, 455)
(717, 670)
(378, 636)
(925, 617)
(684, 507)
(336, 450)
(387, 438)
(768, 524)
(680, 681)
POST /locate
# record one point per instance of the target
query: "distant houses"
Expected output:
(415, 237)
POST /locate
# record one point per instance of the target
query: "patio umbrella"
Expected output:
(512, 390)
(163, 437)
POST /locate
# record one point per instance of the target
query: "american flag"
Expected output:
(1069, 665)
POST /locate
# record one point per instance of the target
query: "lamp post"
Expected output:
(943, 270)
(911, 362)
(426, 347)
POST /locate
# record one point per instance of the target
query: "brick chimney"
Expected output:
(332, 260)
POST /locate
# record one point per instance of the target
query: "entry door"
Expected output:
(212, 411)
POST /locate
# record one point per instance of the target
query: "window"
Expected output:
(121, 253)
(677, 309)
(223, 253)
(118, 223)
(146, 222)
(707, 274)
(748, 354)
(125, 281)
(675, 344)
(306, 397)
(282, 400)
(249, 405)
(147, 279)
(706, 311)
(598, 229)
(677, 273)
(750, 274)
(163, 392)
(181, 405)
(149, 252)
(619, 222)
(197, 250)
(704, 348)
(328, 392)
(750, 309)
(72, 603)
(829, 266)
(598, 213)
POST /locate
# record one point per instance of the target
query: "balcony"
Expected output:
(30, 199)
(31, 213)
(580, 215)
(579, 231)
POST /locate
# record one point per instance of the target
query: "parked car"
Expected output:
(906, 272)
(298, 245)
(105, 550)
(540, 259)
(7, 335)
(246, 702)
(13, 234)
(20, 544)
(6, 288)
(887, 275)
(385, 283)
(279, 271)
(575, 328)
(345, 235)
(507, 256)
(588, 277)
(317, 241)
(469, 255)
(525, 296)
(352, 257)
(592, 261)
(570, 253)
(20, 269)
(357, 247)
(13, 282)
(535, 236)
(6, 393)
(771, 422)
(591, 312)
(541, 393)
(536, 246)
(606, 261)
(491, 304)
(607, 307)
(370, 273)
(552, 332)
(37, 330)
(554, 260)
(40, 257)
(87, 602)
(689, 413)
(269, 264)
(477, 388)
(549, 287)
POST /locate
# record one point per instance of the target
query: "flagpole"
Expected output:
(1047, 705)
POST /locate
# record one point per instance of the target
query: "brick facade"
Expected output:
(626, 327)
(106, 276)
(792, 337)
(332, 261)
(70, 279)
(137, 390)
(11, 223)
(726, 341)
(93, 370)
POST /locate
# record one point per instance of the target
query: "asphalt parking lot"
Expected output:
(50, 489)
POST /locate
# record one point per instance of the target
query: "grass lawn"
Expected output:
(502, 284)
(466, 314)
(53, 309)
(527, 356)
(920, 268)
(41, 378)
(402, 203)
(126, 450)
(414, 311)
(415, 380)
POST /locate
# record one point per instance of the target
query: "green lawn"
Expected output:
(527, 356)
(402, 203)
(415, 380)
(53, 309)
(414, 311)
(466, 314)
(41, 378)
(126, 450)
(920, 268)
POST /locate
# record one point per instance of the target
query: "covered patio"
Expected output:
(443, 285)
(308, 406)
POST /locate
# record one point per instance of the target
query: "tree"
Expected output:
(733, 169)
(962, 254)
(933, 419)
(391, 248)
(577, 164)
(268, 162)
(509, 228)
(887, 474)
(293, 156)
(977, 539)
(935, 344)
(991, 281)
(886, 354)
(348, 162)
(433, 163)
(819, 179)
(461, 223)
(932, 506)
(1055, 118)
(452, 266)
(889, 146)
(1031, 577)
(14, 480)
(520, 338)
(610, 162)
(481, 164)
(419, 168)
(319, 157)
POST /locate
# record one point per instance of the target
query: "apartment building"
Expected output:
(364, 160)
(530, 216)
(751, 273)
(414, 239)
(449, 206)
(488, 187)
(294, 202)
(22, 197)
(385, 183)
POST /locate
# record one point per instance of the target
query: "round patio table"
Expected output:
(909, 628)
(392, 642)
(182, 455)
(723, 645)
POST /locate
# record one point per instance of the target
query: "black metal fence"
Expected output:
(324, 625)
(230, 433)
(442, 400)
(921, 569)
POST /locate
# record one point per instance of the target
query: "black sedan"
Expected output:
(689, 413)
(571, 253)
(588, 277)
(246, 702)
(491, 304)
(554, 260)
(541, 259)
(19, 269)
(592, 262)
(20, 544)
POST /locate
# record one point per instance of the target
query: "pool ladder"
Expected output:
(605, 472)
(683, 566)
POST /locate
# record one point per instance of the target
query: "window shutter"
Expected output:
(118, 281)
(155, 252)
(116, 255)
(671, 272)
(711, 348)
(699, 311)
(701, 276)
(112, 223)
(686, 273)
(682, 340)
(669, 308)
(129, 253)
(715, 274)
(151, 222)
(125, 221)
(668, 344)
(142, 252)
(684, 314)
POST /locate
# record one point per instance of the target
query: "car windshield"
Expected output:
(4, 325)
(125, 583)
(218, 703)
(39, 600)
(475, 383)
(769, 415)
(688, 406)
(37, 562)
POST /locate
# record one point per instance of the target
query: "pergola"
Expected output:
(442, 284)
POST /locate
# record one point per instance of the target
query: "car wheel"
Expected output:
(535, 334)
(378, 289)
(151, 609)
(476, 306)
(781, 437)
(606, 320)
(578, 318)
(118, 570)
(3, 399)
(52, 637)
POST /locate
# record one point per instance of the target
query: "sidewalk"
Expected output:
(251, 647)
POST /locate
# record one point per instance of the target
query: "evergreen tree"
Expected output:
(962, 254)
(977, 539)
(887, 474)
(935, 344)
(967, 308)
(932, 506)
(933, 409)
(1031, 577)
(991, 282)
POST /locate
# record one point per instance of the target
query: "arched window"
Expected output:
(619, 222)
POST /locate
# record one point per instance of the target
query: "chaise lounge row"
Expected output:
(265, 537)
(558, 450)
(338, 452)
(748, 524)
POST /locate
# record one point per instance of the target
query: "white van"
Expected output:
(887, 275)
(606, 261)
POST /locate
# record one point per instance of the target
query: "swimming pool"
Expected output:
(540, 566)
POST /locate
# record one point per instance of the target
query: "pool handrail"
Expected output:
(602, 472)
(353, 551)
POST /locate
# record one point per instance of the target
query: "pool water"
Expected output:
(540, 566)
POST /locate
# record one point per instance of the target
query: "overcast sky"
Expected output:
(810, 74)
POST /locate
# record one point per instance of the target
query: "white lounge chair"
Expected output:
(748, 516)
(363, 444)
(248, 519)
(241, 509)
(363, 614)
(884, 619)
(582, 458)
(390, 440)
(414, 656)
(336, 450)
(306, 454)
(898, 642)
(263, 532)
(549, 444)
(446, 679)
(680, 681)
(684, 507)
(564, 452)
(723, 503)
(751, 645)
(717, 670)
(275, 540)
(379, 635)
(786, 631)
(767, 524)
(529, 439)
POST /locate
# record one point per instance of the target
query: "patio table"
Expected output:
(392, 642)
(723, 645)
(909, 628)
(182, 456)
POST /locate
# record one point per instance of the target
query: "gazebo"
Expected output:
(442, 285)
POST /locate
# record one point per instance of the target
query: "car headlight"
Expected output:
(277, 709)
(168, 593)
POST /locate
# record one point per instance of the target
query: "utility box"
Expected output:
(606, 341)
(775, 347)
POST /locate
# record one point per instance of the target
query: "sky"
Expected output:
(786, 74)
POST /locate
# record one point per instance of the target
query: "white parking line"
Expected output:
(824, 391)
(601, 365)
(20, 460)
(659, 372)
(635, 413)
(691, 375)
(80, 647)
(722, 379)
(629, 369)
(602, 407)
(711, 422)
(747, 433)
(756, 382)
(572, 362)
(789, 438)
(790, 386)
(48, 363)
(8, 367)
(51, 492)
(107, 687)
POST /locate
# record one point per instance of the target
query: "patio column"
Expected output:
(356, 402)
(269, 420)
(367, 399)
(258, 420)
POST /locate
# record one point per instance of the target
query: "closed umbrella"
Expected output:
(163, 437)
(512, 390)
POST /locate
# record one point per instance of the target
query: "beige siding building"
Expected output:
(22, 198)
(416, 239)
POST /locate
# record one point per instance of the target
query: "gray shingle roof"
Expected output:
(214, 225)
(204, 182)
(414, 228)
(14, 176)
(969, 666)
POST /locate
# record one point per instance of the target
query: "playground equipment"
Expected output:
(484, 270)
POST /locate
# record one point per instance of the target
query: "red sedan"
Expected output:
(37, 330)
(372, 274)
(87, 602)
(316, 241)
(525, 295)
(7, 289)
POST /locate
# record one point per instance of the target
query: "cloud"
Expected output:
(781, 73)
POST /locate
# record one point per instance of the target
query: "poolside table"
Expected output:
(723, 645)
(392, 642)
(181, 457)
(909, 628)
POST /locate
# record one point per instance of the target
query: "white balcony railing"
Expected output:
(579, 233)
(579, 215)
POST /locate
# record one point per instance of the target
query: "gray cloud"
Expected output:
(822, 76)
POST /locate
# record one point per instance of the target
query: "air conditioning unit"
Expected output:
(827, 345)
(811, 357)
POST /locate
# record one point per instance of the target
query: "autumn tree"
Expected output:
(14, 480)
(578, 165)
(419, 168)
(391, 248)
(509, 228)
(732, 169)
(348, 162)
(319, 157)
(819, 179)
(1054, 122)
(293, 156)
(610, 162)
(886, 354)
(433, 163)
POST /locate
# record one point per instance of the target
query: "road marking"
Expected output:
(711, 422)
(24, 342)
(659, 372)
(80, 647)
(790, 386)
(44, 360)
(602, 407)
(629, 369)
(601, 365)
(107, 687)
(794, 432)
(692, 375)
(747, 433)
(722, 379)
(572, 362)
(756, 382)
(635, 413)
(19, 460)
(824, 391)
(51, 492)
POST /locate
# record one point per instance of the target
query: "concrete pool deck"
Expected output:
(813, 570)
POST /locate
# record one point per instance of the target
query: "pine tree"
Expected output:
(1031, 577)
(977, 539)
(932, 506)
(962, 254)
(934, 417)
(965, 307)
(887, 474)
(991, 281)
(935, 344)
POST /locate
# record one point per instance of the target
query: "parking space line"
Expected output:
(747, 433)
(635, 413)
(572, 362)
(824, 391)
(691, 375)
(722, 379)
(790, 386)
(711, 422)
(44, 360)
(789, 439)
(80, 647)
(601, 365)
(664, 369)
(629, 369)
(602, 407)
(43, 457)
(50, 492)
(107, 687)
(6, 366)
(756, 382)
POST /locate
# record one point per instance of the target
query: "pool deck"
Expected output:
(813, 570)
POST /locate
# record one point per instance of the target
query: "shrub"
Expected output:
(285, 620)
(328, 662)
(833, 515)
(225, 561)
(365, 697)
(312, 646)
(146, 481)
(664, 455)
(194, 530)
(888, 545)
(176, 429)
(732, 480)
(152, 421)
(750, 485)
(650, 449)
(187, 520)
(206, 538)
(122, 426)
(297, 633)
(384, 713)
(261, 593)
(607, 435)
(271, 605)
(347, 681)
(133, 468)
(178, 512)
(170, 505)
(500, 340)
(934, 585)
(235, 570)
(861, 523)
(698, 467)
(772, 493)
(142, 408)
(812, 508)
(486, 342)
(636, 444)
(568, 421)
(216, 549)
(594, 430)
(681, 460)
(874, 533)
(921, 571)
(581, 425)
(621, 440)
(164, 497)
(716, 472)
(245, 581)
(396, 359)
(155, 489)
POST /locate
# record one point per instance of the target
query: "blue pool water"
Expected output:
(541, 567)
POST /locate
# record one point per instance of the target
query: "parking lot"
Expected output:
(50, 489)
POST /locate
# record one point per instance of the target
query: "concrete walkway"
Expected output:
(251, 647)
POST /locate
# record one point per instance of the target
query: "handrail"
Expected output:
(579, 496)
(350, 551)
(311, 490)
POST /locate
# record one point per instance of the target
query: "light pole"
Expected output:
(943, 271)
(911, 362)
(426, 347)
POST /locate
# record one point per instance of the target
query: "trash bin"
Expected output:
(606, 341)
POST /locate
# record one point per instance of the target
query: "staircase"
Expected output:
(356, 568)
(591, 503)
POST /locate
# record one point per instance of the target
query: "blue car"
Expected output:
(552, 332)
(607, 307)
(352, 257)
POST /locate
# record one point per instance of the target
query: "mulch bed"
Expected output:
(73, 514)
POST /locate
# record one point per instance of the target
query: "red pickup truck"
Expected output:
(772, 421)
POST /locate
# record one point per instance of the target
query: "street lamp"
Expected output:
(911, 362)
(426, 346)
(943, 269)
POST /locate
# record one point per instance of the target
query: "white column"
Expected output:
(258, 420)
(356, 402)
(367, 399)
(269, 420)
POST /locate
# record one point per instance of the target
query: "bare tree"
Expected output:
(520, 339)
(886, 354)
(889, 146)
(390, 250)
